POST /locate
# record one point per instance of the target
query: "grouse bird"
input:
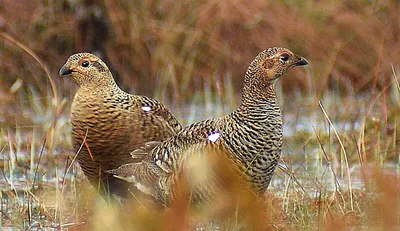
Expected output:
(109, 123)
(250, 137)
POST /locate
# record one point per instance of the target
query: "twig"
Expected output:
(344, 152)
(72, 162)
(33, 55)
(38, 163)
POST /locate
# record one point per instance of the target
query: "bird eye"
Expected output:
(284, 57)
(85, 64)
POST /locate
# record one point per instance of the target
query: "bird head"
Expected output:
(270, 64)
(86, 69)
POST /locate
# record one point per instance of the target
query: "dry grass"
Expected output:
(341, 164)
(318, 186)
(351, 45)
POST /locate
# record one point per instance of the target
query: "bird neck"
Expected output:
(258, 93)
(258, 106)
(102, 84)
(255, 134)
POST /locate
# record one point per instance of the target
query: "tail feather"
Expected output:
(139, 174)
(144, 150)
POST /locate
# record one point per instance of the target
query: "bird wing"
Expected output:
(162, 160)
(144, 150)
(162, 115)
(142, 175)
(144, 172)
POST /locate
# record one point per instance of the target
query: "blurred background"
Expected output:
(341, 112)
(351, 44)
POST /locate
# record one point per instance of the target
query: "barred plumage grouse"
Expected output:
(110, 121)
(251, 136)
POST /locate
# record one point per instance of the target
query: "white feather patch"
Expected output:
(138, 185)
(214, 137)
(145, 189)
(131, 179)
(146, 108)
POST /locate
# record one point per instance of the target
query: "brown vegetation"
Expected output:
(173, 48)
(348, 44)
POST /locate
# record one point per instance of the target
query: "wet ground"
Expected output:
(321, 153)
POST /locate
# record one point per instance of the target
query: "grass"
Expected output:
(343, 172)
(340, 168)
(193, 40)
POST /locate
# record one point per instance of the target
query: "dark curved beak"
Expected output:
(302, 61)
(64, 71)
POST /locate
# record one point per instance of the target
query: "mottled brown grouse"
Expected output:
(110, 121)
(251, 136)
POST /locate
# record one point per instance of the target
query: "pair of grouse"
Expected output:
(133, 142)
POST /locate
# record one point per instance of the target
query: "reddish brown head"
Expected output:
(272, 63)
